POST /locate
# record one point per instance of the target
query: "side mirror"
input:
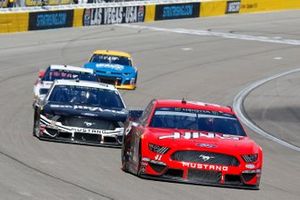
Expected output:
(41, 74)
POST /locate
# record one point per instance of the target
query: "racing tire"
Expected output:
(124, 159)
(36, 126)
(139, 170)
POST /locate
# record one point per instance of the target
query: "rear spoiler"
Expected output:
(135, 114)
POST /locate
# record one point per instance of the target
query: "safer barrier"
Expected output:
(13, 20)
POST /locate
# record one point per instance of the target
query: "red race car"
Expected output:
(192, 142)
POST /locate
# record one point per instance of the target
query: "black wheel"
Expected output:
(139, 168)
(124, 158)
(36, 126)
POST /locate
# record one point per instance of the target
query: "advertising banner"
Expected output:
(47, 2)
(233, 6)
(177, 11)
(113, 15)
(50, 19)
(3, 3)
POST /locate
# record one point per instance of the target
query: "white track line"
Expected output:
(238, 108)
(276, 40)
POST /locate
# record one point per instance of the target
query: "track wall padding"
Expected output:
(13, 22)
(249, 6)
(212, 8)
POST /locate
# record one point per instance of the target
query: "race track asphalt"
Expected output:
(203, 59)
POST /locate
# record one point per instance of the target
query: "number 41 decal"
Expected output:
(158, 157)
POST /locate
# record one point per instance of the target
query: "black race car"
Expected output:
(81, 112)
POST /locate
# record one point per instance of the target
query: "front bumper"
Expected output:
(119, 82)
(167, 169)
(77, 135)
(80, 142)
(181, 180)
(126, 87)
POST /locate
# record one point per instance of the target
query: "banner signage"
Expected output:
(113, 15)
(50, 19)
(233, 6)
(177, 11)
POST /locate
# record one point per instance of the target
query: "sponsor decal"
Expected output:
(88, 130)
(249, 6)
(206, 145)
(205, 166)
(111, 66)
(50, 19)
(233, 6)
(177, 11)
(195, 135)
(89, 108)
(113, 15)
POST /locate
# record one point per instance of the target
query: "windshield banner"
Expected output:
(177, 11)
(113, 15)
(50, 19)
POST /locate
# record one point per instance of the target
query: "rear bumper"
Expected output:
(119, 82)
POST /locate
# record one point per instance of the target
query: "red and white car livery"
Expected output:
(191, 142)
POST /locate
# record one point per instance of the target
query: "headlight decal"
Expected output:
(158, 149)
(250, 158)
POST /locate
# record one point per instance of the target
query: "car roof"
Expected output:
(113, 53)
(71, 68)
(167, 103)
(85, 84)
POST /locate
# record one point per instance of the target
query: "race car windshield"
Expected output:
(201, 120)
(52, 75)
(108, 59)
(86, 96)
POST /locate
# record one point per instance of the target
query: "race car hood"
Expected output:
(110, 68)
(186, 139)
(81, 110)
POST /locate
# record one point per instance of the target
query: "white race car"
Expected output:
(54, 72)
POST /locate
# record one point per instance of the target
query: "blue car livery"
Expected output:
(114, 67)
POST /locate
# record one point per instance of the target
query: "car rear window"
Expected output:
(52, 75)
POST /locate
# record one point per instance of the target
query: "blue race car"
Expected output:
(114, 67)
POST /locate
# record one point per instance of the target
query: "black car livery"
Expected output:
(81, 112)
